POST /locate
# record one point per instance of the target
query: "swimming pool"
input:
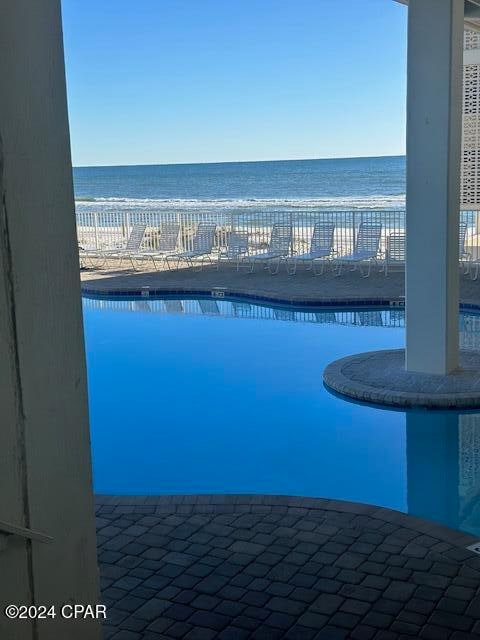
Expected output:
(218, 396)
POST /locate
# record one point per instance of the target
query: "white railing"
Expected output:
(109, 230)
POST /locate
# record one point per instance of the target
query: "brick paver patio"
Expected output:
(265, 567)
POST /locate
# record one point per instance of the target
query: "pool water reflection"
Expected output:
(213, 396)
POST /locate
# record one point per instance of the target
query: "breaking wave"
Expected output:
(370, 202)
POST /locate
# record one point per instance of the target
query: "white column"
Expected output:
(45, 469)
(434, 121)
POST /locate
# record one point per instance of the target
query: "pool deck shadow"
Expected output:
(210, 566)
(303, 287)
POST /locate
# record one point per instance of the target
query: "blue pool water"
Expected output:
(207, 396)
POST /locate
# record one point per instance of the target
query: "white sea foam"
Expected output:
(373, 202)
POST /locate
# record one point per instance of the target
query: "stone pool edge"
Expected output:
(227, 293)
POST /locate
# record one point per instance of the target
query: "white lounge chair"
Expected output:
(395, 252)
(167, 244)
(321, 249)
(237, 247)
(278, 248)
(366, 249)
(202, 247)
(131, 247)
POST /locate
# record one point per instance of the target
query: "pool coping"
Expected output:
(228, 294)
(351, 376)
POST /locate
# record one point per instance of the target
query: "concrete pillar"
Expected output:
(434, 121)
(45, 469)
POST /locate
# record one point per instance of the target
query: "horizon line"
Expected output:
(176, 164)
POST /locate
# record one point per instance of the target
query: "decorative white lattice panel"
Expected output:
(470, 170)
(471, 40)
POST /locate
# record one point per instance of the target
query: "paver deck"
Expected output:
(303, 287)
(233, 567)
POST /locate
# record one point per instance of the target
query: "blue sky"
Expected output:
(168, 81)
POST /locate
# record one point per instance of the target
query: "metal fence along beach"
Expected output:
(110, 230)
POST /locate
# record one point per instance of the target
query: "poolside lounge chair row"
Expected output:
(321, 252)
(321, 249)
(167, 250)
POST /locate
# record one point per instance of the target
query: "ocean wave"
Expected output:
(373, 202)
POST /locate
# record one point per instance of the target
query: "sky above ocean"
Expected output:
(169, 81)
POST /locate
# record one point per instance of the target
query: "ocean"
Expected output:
(245, 187)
